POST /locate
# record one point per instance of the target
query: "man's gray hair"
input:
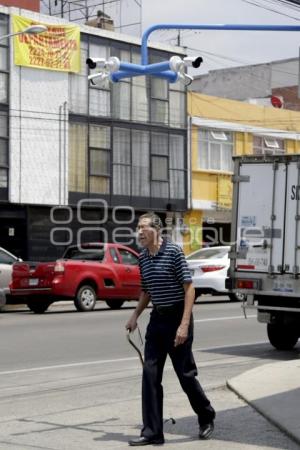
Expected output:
(155, 220)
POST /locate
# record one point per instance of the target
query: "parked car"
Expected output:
(84, 274)
(209, 267)
(6, 264)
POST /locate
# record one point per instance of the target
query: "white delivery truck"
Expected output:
(265, 252)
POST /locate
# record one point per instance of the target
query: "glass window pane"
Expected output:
(177, 110)
(215, 157)
(99, 102)
(99, 185)
(99, 162)
(77, 157)
(3, 87)
(78, 96)
(99, 136)
(3, 25)
(176, 152)
(159, 88)
(140, 164)
(3, 178)
(159, 144)
(159, 168)
(121, 146)
(227, 163)
(3, 124)
(121, 100)
(159, 111)
(3, 152)
(98, 51)
(139, 99)
(121, 179)
(160, 189)
(3, 58)
(177, 184)
(203, 154)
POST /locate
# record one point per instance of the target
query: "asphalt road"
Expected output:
(68, 379)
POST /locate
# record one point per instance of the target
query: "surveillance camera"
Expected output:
(98, 78)
(176, 64)
(185, 78)
(194, 61)
(94, 62)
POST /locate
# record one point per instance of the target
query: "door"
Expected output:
(260, 218)
(130, 273)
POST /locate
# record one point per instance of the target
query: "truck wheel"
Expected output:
(237, 297)
(114, 304)
(282, 337)
(85, 298)
(38, 306)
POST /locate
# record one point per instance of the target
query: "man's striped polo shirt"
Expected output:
(163, 274)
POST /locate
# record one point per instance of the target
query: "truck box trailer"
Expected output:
(265, 247)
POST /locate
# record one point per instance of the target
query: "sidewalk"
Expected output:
(274, 391)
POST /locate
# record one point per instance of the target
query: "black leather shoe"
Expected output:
(145, 441)
(205, 431)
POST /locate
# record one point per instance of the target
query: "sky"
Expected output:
(222, 49)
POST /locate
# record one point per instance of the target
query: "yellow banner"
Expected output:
(55, 49)
(224, 191)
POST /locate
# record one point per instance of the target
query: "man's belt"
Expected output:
(165, 310)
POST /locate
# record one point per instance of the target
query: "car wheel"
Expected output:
(114, 304)
(85, 298)
(38, 306)
(237, 297)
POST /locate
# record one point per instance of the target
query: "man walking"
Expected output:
(166, 281)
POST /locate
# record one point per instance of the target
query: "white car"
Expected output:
(209, 267)
(6, 263)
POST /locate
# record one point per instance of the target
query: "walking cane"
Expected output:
(171, 419)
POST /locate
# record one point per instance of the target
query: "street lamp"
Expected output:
(32, 29)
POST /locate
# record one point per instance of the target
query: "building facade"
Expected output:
(79, 161)
(219, 129)
(257, 83)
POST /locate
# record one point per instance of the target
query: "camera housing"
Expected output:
(94, 62)
(193, 61)
(98, 78)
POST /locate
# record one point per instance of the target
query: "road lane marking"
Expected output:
(118, 360)
(224, 318)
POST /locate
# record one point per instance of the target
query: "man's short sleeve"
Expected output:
(182, 271)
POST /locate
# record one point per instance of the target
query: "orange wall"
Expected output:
(33, 5)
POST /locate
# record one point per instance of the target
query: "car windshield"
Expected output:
(87, 254)
(208, 253)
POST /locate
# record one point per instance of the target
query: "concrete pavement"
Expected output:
(274, 391)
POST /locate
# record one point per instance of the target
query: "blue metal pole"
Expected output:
(228, 27)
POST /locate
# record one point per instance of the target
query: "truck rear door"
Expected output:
(260, 216)
(292, 227)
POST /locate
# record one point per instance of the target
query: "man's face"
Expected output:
(147, 235)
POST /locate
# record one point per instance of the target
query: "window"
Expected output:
(5, 258)
(215, 150)
(140, 163)
(159, 165)
(159, 98)
(267, 145)
(114, 255)
(177, 109)
(139, 95)
(121, 162)
(99, 98)
(99, 151)
(3, 150)
(121, 91)
(128, 257)
(78, 157)
(177, 166)
(78, 89)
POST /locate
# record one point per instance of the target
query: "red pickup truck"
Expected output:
(84, 274)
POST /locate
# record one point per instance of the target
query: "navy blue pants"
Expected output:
(159, 342)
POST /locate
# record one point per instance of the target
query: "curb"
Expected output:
(263, 413)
